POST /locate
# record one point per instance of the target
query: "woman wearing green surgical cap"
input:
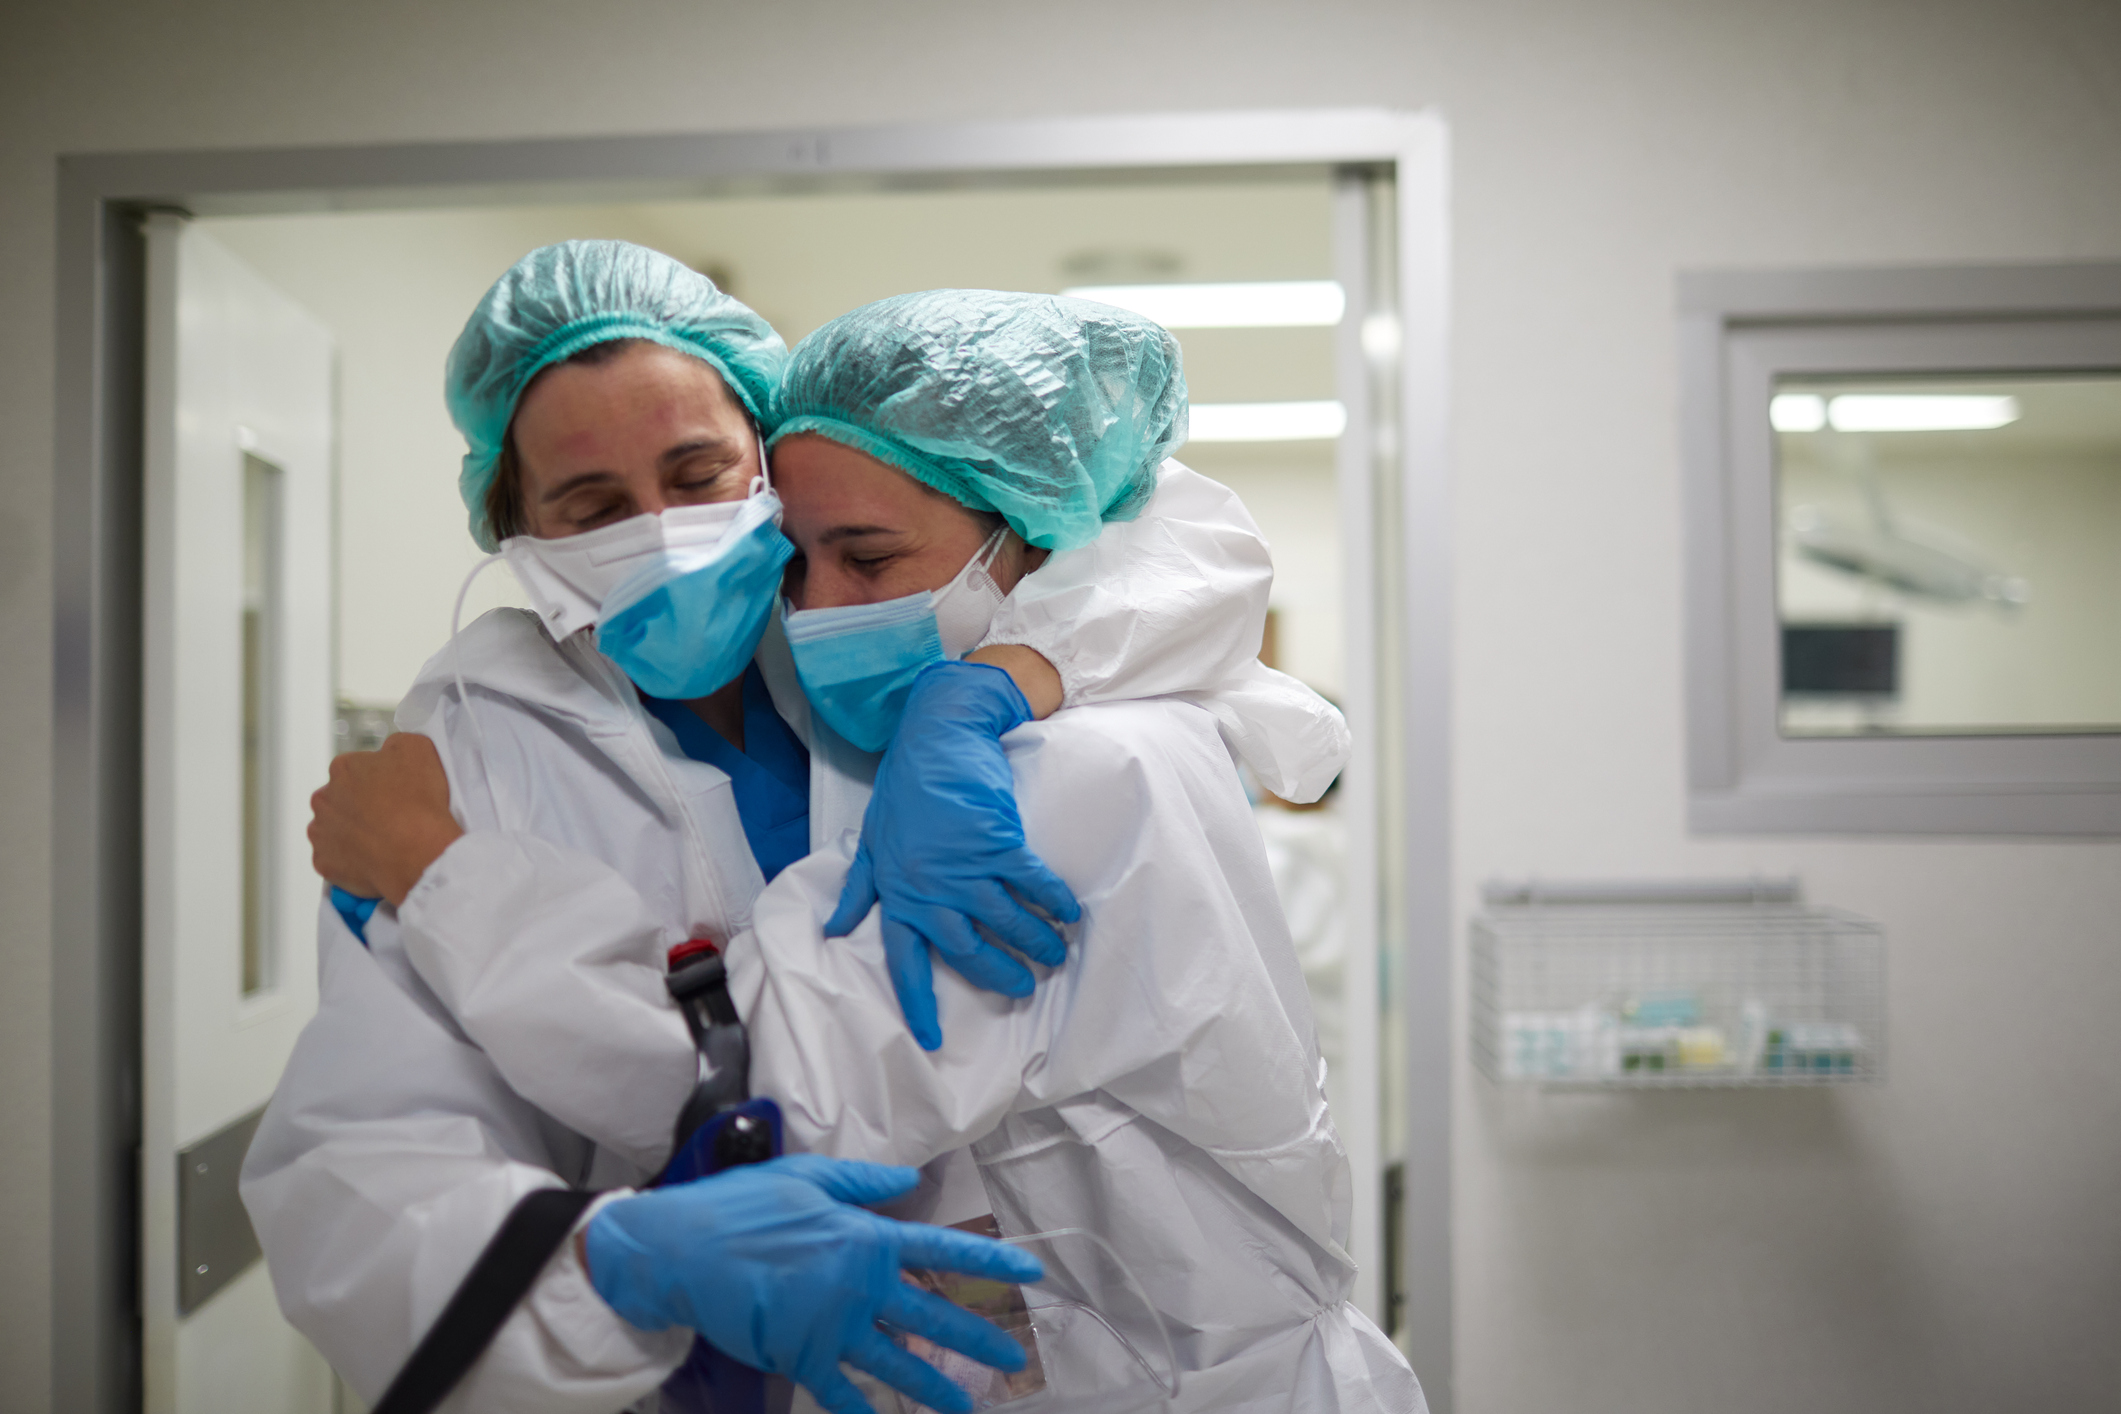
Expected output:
(624, 770)
(1163, 1087)
(1052, 413)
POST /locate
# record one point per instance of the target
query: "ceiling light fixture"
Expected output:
(1253, 304)
(1796, 412)
(1267, 422)
(1891, 412)
(1920, 412)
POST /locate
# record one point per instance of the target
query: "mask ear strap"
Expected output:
(764, 480)
(456, 668)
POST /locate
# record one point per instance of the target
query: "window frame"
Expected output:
(1739, 331)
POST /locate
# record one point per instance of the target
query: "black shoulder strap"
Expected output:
(504, 1271)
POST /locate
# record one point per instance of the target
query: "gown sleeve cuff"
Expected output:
(564, 1350)
(1052, 644)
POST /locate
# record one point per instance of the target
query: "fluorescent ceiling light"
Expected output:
(1891, 412)
(1380, 335)
(1919, 412)
(1796, 412)
(1266, 422)
(1255, 304)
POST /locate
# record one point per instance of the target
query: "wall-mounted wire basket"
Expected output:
(1659, 986)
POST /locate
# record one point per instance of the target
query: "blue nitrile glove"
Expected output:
(773, 1266)
(942, 838)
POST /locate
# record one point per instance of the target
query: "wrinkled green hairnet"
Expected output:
(561, 299)
(1053, 412)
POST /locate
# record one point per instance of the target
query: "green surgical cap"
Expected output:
(561, 299)
(1053, 412)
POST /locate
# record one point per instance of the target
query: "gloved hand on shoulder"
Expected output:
(774, 1265)
(943, 847)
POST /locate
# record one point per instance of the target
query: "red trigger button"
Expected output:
(688, 950)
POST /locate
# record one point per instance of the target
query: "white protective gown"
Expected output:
(1307, 853)
(1162, 1089)
(427, 1096)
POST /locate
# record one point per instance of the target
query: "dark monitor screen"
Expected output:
(1842, 660)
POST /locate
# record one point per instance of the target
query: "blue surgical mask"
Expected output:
(679, 600)
(858, 662)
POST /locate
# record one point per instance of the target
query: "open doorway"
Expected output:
(392, 286)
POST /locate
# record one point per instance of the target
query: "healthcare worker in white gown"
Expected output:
(1162, 1087)
(400, 1136)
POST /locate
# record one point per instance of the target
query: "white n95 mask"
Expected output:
(967, 604)
(568, 579)
(857, 662)
(680, 600)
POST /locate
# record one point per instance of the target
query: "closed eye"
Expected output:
(702, 480)
(868, 564)
(589, 515)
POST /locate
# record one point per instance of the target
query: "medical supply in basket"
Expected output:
(1674, 985)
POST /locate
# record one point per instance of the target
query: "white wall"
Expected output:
(1948, 1240)
(1937, 1242)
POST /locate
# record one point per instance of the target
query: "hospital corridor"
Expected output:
(1396, 707)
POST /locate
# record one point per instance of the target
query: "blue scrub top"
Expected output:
(355, 910)
(771, 775)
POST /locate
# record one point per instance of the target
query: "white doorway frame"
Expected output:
(1391, 247)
